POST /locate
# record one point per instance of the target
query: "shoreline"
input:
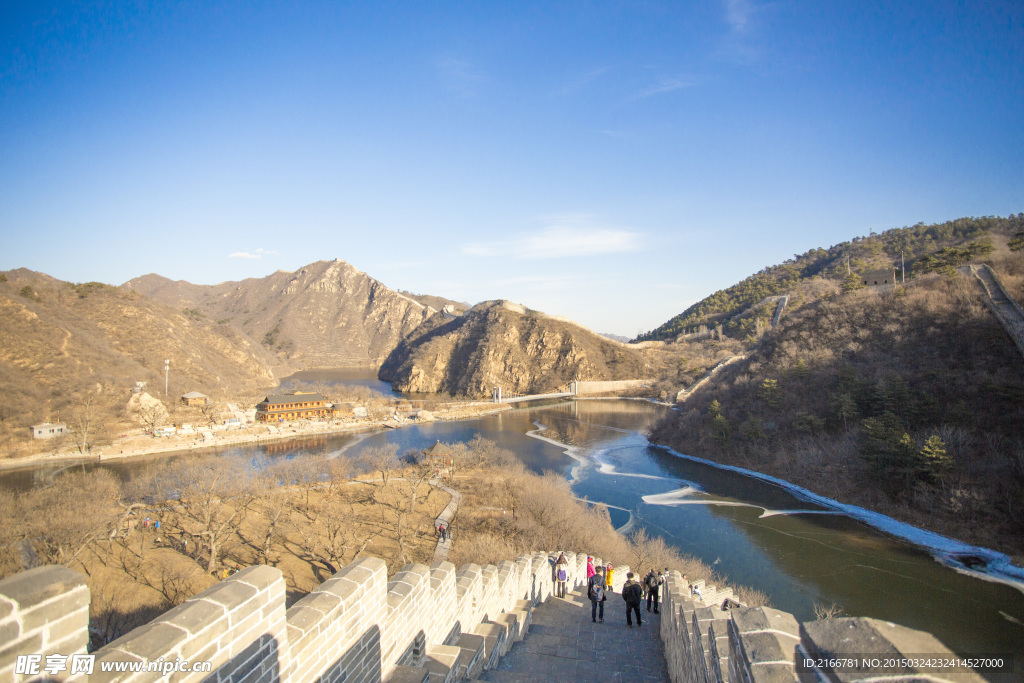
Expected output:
(117, 450)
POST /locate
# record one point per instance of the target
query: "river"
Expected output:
(755, 532)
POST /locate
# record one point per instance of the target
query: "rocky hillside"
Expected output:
(502, 344)
(59, 338)
(326, 315)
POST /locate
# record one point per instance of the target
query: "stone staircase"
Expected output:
(562, 644)
(554, 641)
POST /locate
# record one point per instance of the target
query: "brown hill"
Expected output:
(58, 339)
(909, 402)
(325, 315)
(498, 343)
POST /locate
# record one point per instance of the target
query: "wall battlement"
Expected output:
(426, 623)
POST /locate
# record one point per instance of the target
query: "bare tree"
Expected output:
(382, 459)
(416, 477)
(82, 424)
(63, 519)
(212, 501)
(152, 416)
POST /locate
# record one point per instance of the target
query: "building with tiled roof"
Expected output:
(297, 406)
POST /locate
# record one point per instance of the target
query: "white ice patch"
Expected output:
(625, 528)
(572, 451)
(1010, 619)
(674, 497)
(772, 513)
(607, 468)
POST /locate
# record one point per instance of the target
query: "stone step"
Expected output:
(473, 655)
(409, 674)
(443, 663)
(562, 644)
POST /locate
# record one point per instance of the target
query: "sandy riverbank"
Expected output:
(138, 445)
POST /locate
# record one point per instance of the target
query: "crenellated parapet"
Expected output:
(425, 623)
(717, 640)
(357, 626)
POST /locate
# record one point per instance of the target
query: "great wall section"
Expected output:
(441, 624)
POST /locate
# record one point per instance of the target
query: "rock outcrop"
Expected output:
(325, 315)
(503, 344)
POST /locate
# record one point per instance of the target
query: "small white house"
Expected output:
(48, 430)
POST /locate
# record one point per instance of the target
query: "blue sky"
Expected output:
(610, 162)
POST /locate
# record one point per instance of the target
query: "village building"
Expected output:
(48, 430)
(194, 398)
(297, 406)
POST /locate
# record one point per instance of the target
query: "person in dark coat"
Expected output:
(632, 593)
(597, 595)
(653, 585)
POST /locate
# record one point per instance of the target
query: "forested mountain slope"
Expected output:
(910, 402)
(925, 248)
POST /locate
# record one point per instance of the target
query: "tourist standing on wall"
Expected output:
(561, 575)
(609, 570)
(653, 585)
(632, 593)
(590, 567)
(595, 591)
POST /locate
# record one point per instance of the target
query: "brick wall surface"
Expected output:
(426, 622)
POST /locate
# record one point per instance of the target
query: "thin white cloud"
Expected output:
(737, 13)
(460, 76)
(571, 237)
(663, 86)
(251, 253)
(558, 241)
(581, 81)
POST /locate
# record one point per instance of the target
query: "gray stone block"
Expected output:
(151, 641)
(774, 673)
(259, 576)
(749, 619)
(28, 645)
(105, 655)
(10, 631)
(409, 674)
(474, 655)
(35, 586)
(230, 594)
(73, 629)
(197, 616)
(877, 639)
(364, 570)
(769, 646)
(6, 607)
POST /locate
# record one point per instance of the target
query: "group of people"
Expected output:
(599, 584)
